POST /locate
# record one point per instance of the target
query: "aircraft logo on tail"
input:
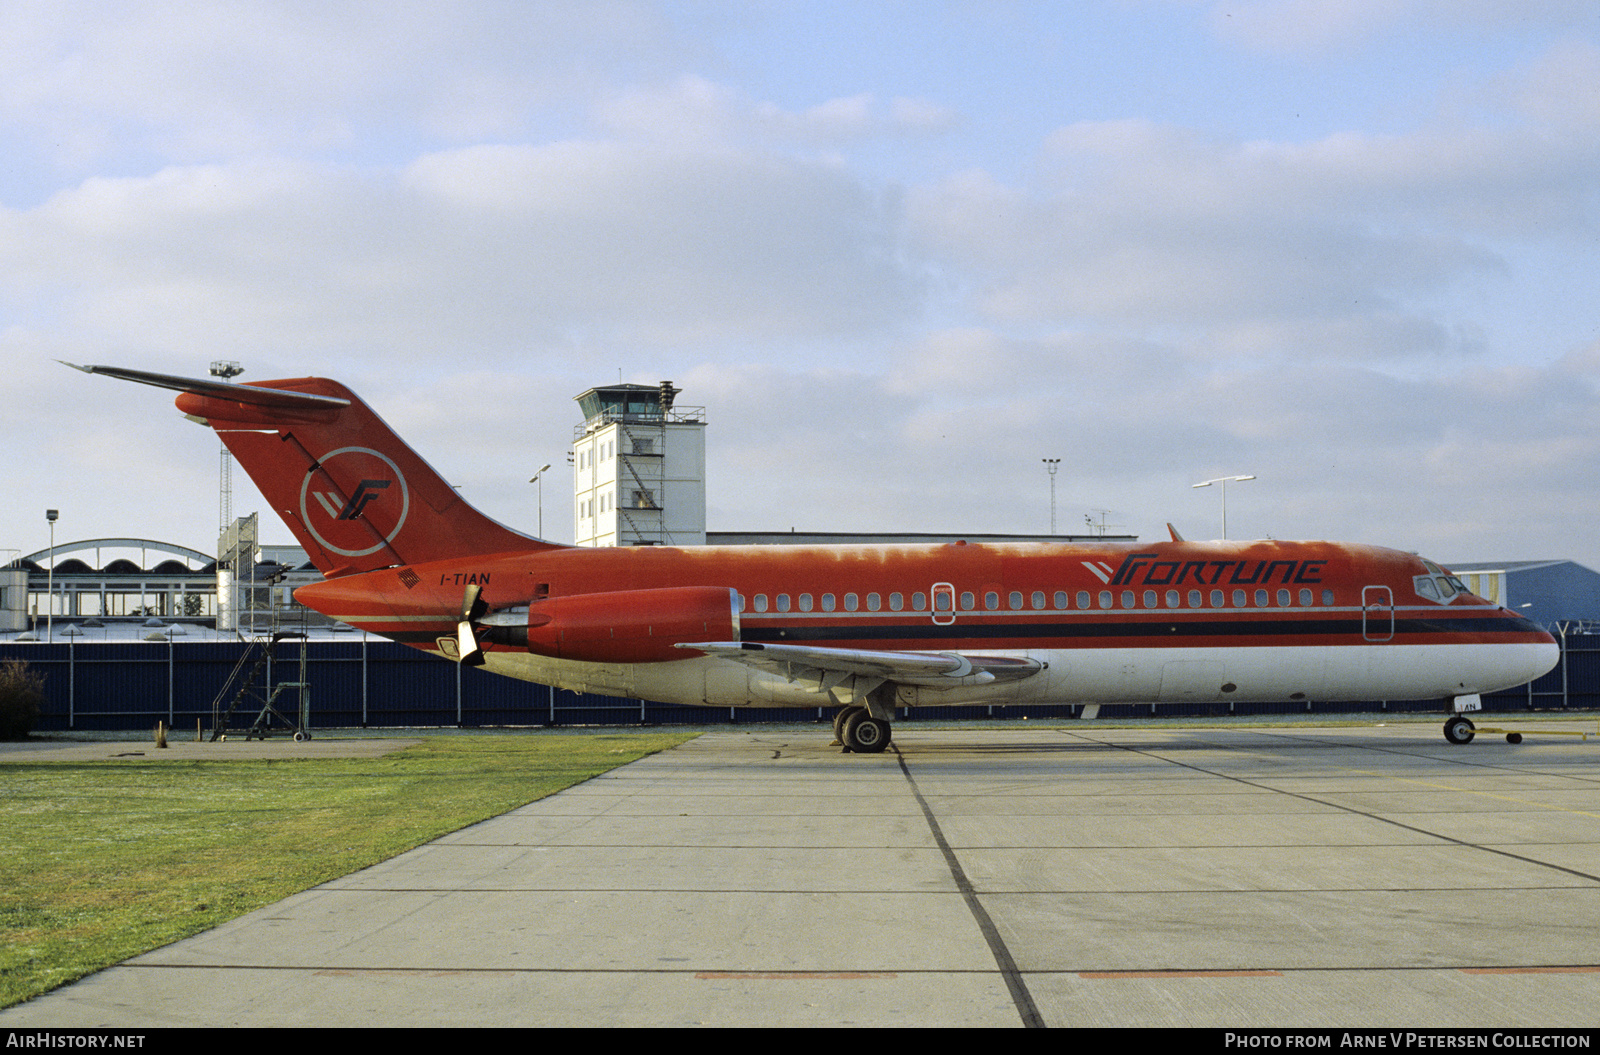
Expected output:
(352, 509)
(354, 501)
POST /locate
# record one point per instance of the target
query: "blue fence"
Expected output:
(115, 686)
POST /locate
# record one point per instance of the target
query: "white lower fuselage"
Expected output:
(1103, 675)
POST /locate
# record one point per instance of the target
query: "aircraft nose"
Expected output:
(1544, 657)
(1542, 652)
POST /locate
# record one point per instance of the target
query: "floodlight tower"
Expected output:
(1050, 466)
(226, 369)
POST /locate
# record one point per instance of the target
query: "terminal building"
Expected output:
(108, 578)
(105, 582)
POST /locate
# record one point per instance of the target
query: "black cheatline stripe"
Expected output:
(1020, 997)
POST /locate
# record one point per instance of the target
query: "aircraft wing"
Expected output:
(935, 669)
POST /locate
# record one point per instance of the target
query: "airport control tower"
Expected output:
(639, 468)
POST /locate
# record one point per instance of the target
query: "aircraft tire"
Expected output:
(1459, 730)
(841, 716)
(864, 734)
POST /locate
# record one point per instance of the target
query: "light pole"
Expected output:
(50, 580)
(1223, 480)
(1050, 466)
(538, 478)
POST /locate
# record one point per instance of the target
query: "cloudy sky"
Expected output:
(901, 252)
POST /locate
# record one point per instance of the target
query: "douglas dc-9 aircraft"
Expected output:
(864, 629)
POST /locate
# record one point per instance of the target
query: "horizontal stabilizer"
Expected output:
(236, 393)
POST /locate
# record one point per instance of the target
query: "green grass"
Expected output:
(100, 861)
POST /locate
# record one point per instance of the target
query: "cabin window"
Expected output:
(1105, 598)
(783, 602)
(874, 602)
(1240, 598)
(1038, 600)
(1283, 599)
(827, 602)
(1083, 599)
(1015, 600)
(761, 602)
(941, 601)
(1305, 597)
(1327, 598)
(1196, 599)
(1129, 600)
(1218, 599)
(851, 602)
(969, 601)
(1261, 599)
(1174, 599)
(1150, 599)
(991, 600)
(919, 602)
(896, 602)
(805, 602)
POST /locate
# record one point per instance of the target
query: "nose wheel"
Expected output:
(1459, 729)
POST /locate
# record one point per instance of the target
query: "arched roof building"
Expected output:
(108, 578)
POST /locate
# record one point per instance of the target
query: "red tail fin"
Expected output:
(354, 494)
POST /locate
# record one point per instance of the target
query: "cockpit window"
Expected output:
(1438, 585)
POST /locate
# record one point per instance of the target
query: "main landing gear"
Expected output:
(859, 732)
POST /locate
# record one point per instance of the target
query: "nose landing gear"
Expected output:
(1458, 729)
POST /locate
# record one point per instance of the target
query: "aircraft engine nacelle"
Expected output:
(630, 626)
